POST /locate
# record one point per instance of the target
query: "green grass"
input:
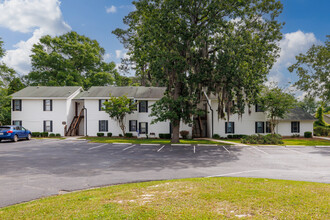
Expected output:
(295, 141)
(147, 141)
(306, 141)
(200, 198)
(61, 138)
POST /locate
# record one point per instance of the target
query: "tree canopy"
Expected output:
(313, 70)
(226, 46)
(276, 103)
(70, 60)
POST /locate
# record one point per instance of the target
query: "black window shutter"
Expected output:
(263, 127)
(147, 107)
(99, 125)
(233, 123)
(298, 125)
(20, 105)
(106, 126)
(44, 126)
(44, 101)
(20, 123)
(292, 127)
(256, 125)
(130, 125)
(13, 105)
(140, 128)
(51, 126)
(100, 103)
(146, 127)
(139, 106)
(226, 127)
(51, 105)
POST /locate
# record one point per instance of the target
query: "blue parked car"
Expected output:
(14, 133)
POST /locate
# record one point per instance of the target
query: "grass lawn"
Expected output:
(200, 198)
(295, 141)
(61, 138)
(147, 141)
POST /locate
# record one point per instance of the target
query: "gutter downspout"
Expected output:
(85, 119)
(209, 104)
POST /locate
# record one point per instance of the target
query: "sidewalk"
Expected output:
(325, 138)
(222, 141)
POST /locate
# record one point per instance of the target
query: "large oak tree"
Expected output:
(227, 46)
(70, 60)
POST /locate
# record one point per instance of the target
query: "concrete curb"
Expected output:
(150, 144)
(320, 146)
(181, 145)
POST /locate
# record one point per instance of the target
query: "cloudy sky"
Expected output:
(23, 22)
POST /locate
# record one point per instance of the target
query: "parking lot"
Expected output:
(38, 168)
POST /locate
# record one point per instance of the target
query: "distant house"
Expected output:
(71, 111)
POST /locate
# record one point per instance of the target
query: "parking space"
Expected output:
(42, 167)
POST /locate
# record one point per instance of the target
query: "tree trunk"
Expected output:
(122, 126)
(175, 132)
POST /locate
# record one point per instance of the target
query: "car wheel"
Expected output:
(0, 140)
(28, 137)
(15, 139)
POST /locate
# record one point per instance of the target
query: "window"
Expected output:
(17, 105)
(19, 123)
(143, 128)
(229, 127)
(295, 127)
(101, 104)
(260, 127)
(259, 108)
(268, 129)
(103, 125)
(133, 102)
(132, 125)
(48, 126)
(48, 105)
(143, 106)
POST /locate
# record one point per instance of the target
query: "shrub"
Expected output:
(51, 135)
(184, 134)
(308, 134)
(295, 135)
(129, 135)
(58, 135)
(230, 136)
(100, 134)
(216, 136)
(35, 134)
(262, 139)
(321, 131)
(164, 136)
(109, 134)
(44, 134)
(238, 136)
(120, 135)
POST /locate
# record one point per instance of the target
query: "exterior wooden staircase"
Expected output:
(74, 126)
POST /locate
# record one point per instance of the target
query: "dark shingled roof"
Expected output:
(46, 91)
(129, 91)
(298, 114)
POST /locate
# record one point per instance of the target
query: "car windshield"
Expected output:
(4, 128)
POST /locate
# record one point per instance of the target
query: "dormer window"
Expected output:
(48, 105)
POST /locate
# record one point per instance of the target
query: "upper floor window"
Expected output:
(17, 105)
(259, 108)
(229, 127)
(18, 123)
(295, 127)
(143, 106)
(48, 126)
(101, 104)
(260, 127)
(48, 105)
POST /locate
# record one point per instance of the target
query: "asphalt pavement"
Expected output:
(39, 168)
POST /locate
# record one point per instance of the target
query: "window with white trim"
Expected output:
(295, 127)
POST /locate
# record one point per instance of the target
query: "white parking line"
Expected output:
(228, 174)
(207, 145)
(293, 150)
(150, 144)
(259, 150)
(160, 148)
(129, 147)
(226, 149)
(194, 149)
(97, 146)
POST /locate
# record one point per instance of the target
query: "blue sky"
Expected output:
(23, 22)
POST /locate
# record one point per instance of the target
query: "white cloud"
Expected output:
(121, 54)
(111, 9)
(107, 56)
(291, 45)
(39, 17)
